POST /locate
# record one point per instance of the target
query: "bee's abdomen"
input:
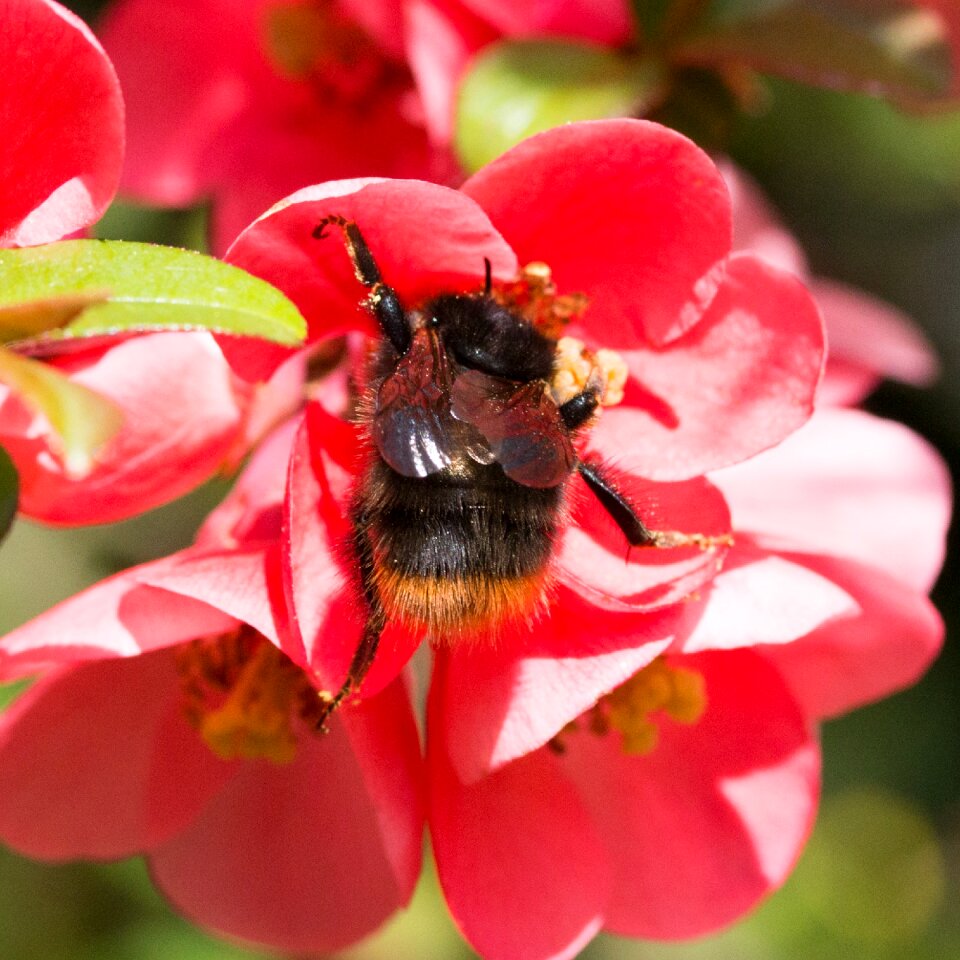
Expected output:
(459, 556)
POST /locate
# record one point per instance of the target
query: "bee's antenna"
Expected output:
(487, 276)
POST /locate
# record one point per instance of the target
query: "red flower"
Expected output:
(63, 124)
(245, 101)
(673, 803)
(61, 160)
(538, 841)
(725, 356)
(166, 721)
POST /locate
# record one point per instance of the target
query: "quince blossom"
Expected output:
(243, 102)
(694, 675)
(165, 721)
(63, 150)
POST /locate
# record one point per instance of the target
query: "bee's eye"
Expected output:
(483, 335)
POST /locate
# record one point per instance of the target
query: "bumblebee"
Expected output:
(469, 456)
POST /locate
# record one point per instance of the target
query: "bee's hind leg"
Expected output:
(365, 653)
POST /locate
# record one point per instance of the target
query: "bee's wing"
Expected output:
(520, 423)
(412, 425)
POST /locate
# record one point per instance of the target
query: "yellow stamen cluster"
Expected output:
(534, 296)
(576, 368)
(631, 708)
(243, 695)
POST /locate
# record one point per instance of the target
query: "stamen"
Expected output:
(632, 708)
(317, 42)
(534, 295)
(243, 695)
(576, 368)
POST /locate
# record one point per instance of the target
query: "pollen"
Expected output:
(635, 709)
(576, 368)
(534, 296)
(243, 696)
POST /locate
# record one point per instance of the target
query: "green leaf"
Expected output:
(9, 492)
(819, 47)
(145, 287)
(82, 421)
(854, 150)
(517, 88)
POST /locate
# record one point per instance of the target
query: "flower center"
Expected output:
(315, 42)
(243, 696)
(634, 709)
(534, 296)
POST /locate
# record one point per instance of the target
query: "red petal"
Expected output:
(425, 239)
(297, 856)
(162, 450)
(850, 485)
(761, 598)
(497, 703)
(739, 382)
(870, 333)
(604, 21)
(240, 582)
(440, 38)
(596, 560)
(118, 617)
(628, 212)
(756, 227)
(860, 659)
(251, 511)
(520, 863)
(181, 89)
(81, 752)
(327, 612)
(713, 819)
(63, 124)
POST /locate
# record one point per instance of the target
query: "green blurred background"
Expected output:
(875, 198)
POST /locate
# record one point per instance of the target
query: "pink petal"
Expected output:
(521, 867)
(63, 123)
(627, 212)
(118, 617)
(163, 448)
(854, 661)
(386, 744)
(80, 752)
(497, 703)
(845, 383)
(440, 39)
(848, 485)
(323, 596)
(739, 382)
(605, 21)
(596, 560)
(864, 330)
(243, 583)
(761, 598)
(181, 90)
(251, 511)
(713, 819)
(756, 227)
(425, 238)
(297, 856)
